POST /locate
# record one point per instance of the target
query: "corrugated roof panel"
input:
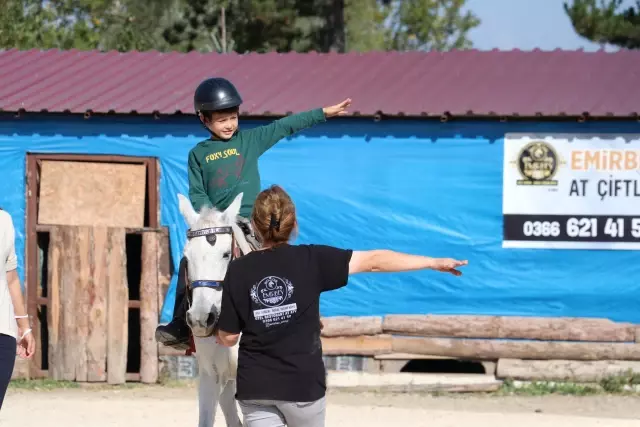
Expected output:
(396, 83)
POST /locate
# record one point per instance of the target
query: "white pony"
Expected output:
(209, 249)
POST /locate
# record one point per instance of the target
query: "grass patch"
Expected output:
(41, 384)
(543, 388)
(627, 383)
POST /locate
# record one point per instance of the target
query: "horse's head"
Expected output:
(209, 249)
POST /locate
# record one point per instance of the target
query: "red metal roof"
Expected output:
(469, 82)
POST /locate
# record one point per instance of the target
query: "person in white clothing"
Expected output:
(15, 333)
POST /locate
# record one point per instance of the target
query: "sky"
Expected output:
(526, 25)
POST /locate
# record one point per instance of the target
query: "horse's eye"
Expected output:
(226, 255)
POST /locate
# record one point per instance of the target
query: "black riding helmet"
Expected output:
(216, 94)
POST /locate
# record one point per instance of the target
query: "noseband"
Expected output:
(211, 234)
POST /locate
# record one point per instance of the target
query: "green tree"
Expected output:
(248, 26)
(84, 24)
(26, 24)
(606, 22)
(429, 25)
(365, 25)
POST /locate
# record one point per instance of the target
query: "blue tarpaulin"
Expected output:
(421, 187)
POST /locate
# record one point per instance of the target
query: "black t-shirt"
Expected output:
(273, 297)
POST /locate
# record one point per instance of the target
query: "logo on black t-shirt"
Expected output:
(272, 301)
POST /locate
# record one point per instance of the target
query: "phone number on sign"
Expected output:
(572, 228)
(582, 227)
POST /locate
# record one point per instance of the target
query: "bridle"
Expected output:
(211, 234)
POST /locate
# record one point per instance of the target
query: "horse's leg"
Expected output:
(208, 397)
(209, 387)
(228, 404)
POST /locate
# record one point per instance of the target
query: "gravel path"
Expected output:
(177, 406)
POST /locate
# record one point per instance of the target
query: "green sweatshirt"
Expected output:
(219, 170)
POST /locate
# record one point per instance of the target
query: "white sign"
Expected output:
(571, 191)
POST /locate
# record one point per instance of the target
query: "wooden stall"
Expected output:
(97, 267)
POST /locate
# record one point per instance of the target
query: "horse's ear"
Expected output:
(231, 213)
(187, 211)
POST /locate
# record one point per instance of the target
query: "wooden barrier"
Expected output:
(88, 304)
(484, 338)
(534, 328)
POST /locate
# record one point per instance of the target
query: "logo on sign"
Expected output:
(537, 163)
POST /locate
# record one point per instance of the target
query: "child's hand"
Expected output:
(338, 109)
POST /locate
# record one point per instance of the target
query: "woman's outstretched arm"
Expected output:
(386, 261)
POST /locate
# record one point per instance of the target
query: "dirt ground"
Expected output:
(177, 406)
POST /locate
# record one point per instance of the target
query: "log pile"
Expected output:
(526, 348)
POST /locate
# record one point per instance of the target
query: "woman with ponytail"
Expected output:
(272, 297)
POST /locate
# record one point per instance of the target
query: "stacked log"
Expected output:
(582, 349)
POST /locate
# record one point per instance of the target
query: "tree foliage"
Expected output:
(236, 25)
(430, 25)
(606, 21)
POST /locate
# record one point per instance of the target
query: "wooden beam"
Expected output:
(97, 342)
(153, 193)
(91, 158)
(563, 370)
(164, 266)
(117, 308)
(478, 349)
(54, 309)
(347, 326)
(535, 328)
(31, 258)
(361, 346)
(149, 309)
(48, 227)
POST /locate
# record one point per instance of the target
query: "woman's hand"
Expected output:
(338, 109)
(449, 265)
(26, 344)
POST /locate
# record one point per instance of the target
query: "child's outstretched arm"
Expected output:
(197, 192)
(267, 136)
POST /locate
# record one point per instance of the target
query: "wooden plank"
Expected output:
(91, 158)
(535, 328)
(496, 349)
(365, 345)
(129, 230)
(97, 316)
(92, 193)
(347, 326)
(153, 185)
(84, 285)
(68, 283)
(409, 356)
(54, 311)
(563, 370)
(164, 266)
(149, 309)
(31, 258)
(117, 308)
